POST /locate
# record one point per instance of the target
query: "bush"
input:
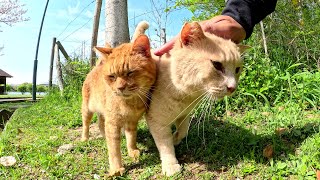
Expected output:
(41, 88)
(9, 87)
(22, 88)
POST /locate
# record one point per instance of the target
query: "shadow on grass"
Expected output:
(226, 144)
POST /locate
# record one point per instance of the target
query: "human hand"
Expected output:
(223, 26)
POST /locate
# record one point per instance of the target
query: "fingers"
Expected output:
(166, 47)
(223, 26)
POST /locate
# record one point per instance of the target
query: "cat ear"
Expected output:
(190, 33)
(141, 45)
(103, 50)
(243, 48)
(107, 45)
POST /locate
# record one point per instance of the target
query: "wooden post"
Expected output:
(63, 51)
(51, 62)
(58, 67)
(264, 40)
(95, 32)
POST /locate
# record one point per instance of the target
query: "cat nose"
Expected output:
(231, 89)
(121, 88)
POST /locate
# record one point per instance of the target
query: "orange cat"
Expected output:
(117, 89)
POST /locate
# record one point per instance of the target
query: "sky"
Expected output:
(70, 21)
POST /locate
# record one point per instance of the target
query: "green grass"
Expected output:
(15, 105)
(232, 145)
(15, 96)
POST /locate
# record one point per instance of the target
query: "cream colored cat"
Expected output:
(200, 65)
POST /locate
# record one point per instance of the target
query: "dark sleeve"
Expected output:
(249, 12)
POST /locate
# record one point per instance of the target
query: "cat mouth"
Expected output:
(218, 96)
(123, 94)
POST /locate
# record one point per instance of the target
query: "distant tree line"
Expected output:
(26, 87)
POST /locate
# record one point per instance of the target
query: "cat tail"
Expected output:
(140, 29)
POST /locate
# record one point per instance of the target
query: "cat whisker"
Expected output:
(203, 110)
(190, 94)
(202, 99)
(191, 111)
(146, 95)
(201, 96)
(146, 92)
(207, 116)
(145, 104)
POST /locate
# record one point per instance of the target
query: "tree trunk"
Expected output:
(117, 28)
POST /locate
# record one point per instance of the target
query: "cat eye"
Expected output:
(217, 65)
(130, 73)
(112, 77)
(237, 70)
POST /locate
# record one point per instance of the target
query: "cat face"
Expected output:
(128, 69)
(205, 63)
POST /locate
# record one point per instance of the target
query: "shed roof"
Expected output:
(4, 74)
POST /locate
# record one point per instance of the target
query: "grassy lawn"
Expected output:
(281, 142)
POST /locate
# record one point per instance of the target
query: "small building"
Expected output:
(3, 82)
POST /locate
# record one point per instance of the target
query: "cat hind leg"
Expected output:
(101, 125)
(86, 119)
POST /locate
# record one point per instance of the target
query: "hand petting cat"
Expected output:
(223, 26)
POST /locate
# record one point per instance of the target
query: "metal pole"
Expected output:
(34, 82)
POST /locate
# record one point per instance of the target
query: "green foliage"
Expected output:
(289, 72)
(201, 9)
(41, 88)
(9, 87)
(74, 73)
(29, 87)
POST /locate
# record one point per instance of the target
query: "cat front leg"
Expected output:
(131, 137)
(163, 138)
(113, 132)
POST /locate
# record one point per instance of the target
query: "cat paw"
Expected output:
(117, 172)
(135, 153)
(171, 169)
(83, 139)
